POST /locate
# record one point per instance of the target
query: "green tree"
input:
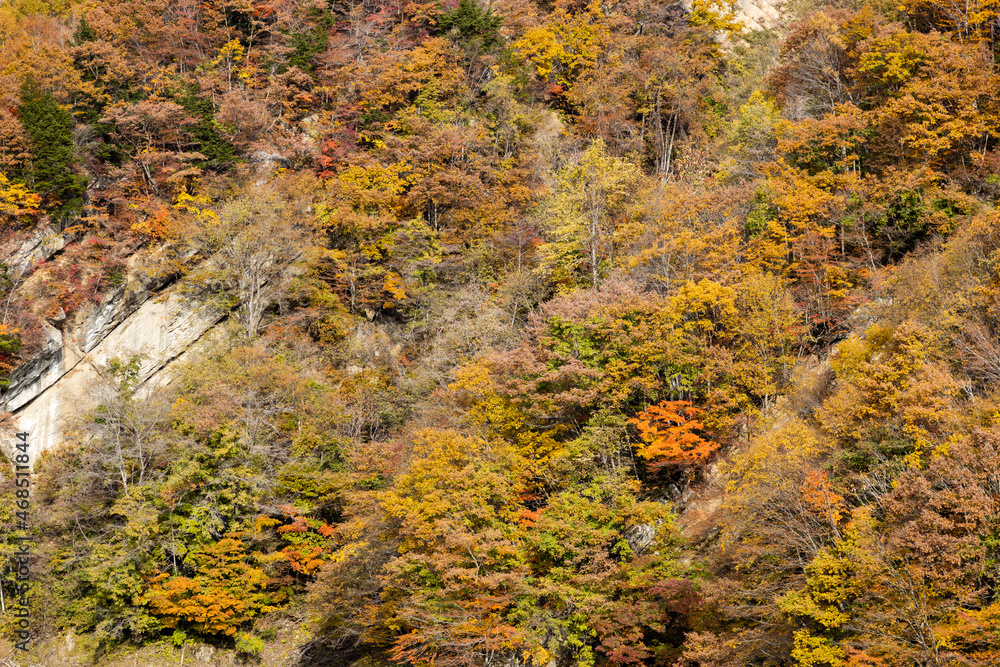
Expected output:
(470, 21)
(219, 152)
(50, 171)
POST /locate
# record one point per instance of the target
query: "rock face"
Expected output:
(754, 14)
(758, 14)
(147, 317)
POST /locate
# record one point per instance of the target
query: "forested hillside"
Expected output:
(540, 332)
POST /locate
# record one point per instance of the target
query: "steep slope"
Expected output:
(145, 316)
(518, 333)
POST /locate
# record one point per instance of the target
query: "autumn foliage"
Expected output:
(669, 433)
(543, 333)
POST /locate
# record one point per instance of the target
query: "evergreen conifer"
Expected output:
(50, 171)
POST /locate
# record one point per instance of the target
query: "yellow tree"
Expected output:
(16, 202)
(591, 201)
(458, 565)
(569, 44)
(967, 20)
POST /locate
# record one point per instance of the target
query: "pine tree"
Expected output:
(469, 20)
(50, 170)
(218, 151)
(83, 32)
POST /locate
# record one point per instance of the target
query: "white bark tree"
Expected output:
(590, 201)
(256, 242)
(127, 424)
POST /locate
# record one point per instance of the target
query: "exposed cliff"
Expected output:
(759, 14)
(147, 315)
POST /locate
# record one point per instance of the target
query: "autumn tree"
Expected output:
(905, 578)
(668, 430)
(589, 579)
(446, 590)
(17, 202)
(591, 200)
(256, 242)
(932, 92)
(812, 75)
(155, 133)
(225, 592)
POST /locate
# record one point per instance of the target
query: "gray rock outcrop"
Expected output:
(148, 316)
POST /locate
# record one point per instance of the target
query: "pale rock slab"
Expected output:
(755, 14)
(758, 14)
(47, 392)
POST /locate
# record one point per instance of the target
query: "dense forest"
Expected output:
(550, 333)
